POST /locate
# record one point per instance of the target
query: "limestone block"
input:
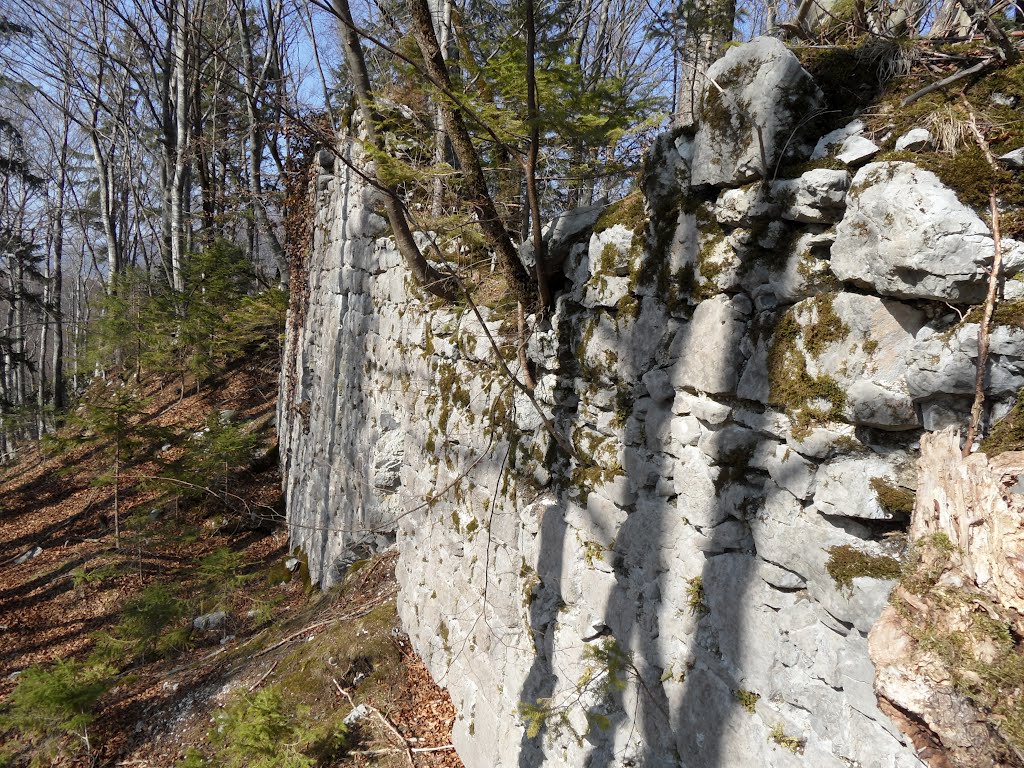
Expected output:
(745, 206)
(907, 235)
(776, 93)
(562, 233)
(658, 385)
(703, 407)
(851, 486)
(709, 357)
(816, 197)
(791, 471)
(695, 479)
(914, 140)
(856, 150)
(830, 141)
(946, 364)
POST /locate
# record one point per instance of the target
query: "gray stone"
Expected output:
(701, 406)
(745, 206)
(292, 564)
(659, 386)
(1014, 159)
(914, 140)
(857, 150)
(325, 158)
(28, 554)
(388, 458)
(710, 357)
(831, 141)
(791, 471)
(816, 197)
(905, 234)
(775, 92)
(946, 363)
(562, 233)
(209, 621)
(844, 486)
(358, 713)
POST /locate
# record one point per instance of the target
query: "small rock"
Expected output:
(1004, 100)
(835, 138)
(1014, 159)
(359, 713)
(292, 564)
(209, 621)
(914, 140)
(28, 554)
(856, 150)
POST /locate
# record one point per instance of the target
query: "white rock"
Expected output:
(914, 140)
(844, 486)
(816, 197)
(776, 93)
(857, 150)
(905, 234)
(1014, 159)
(835, 138)
(710, 356)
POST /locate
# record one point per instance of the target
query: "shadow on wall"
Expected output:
(666, 541)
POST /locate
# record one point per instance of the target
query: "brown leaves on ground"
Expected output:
(76, 584)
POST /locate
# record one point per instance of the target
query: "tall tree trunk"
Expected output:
(475, 185)
(181, 143)
(255, 84)
(442, 24)
(707, 26)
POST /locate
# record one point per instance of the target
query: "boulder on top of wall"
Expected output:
(945, 363)
(872, 487)
(764, 95)
(906, 234)
(710, 356)
(816, 197)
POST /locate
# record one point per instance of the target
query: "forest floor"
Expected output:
(69, 591)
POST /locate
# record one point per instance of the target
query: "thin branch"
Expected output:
(977, 69)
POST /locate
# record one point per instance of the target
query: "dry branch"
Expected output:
(993, 286)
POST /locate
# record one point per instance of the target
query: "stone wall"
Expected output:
(744, 368)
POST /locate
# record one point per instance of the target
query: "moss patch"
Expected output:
(807, 399)
(748, 699)
(826, 328)
(846, 563)
(1008, 432)
(628, 212)
(894, 499)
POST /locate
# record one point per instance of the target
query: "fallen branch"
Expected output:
(266, 674)
(978, 68)
(393, 730)
(408, 750)
(991, 296)
(395, 751)
(294, 635)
